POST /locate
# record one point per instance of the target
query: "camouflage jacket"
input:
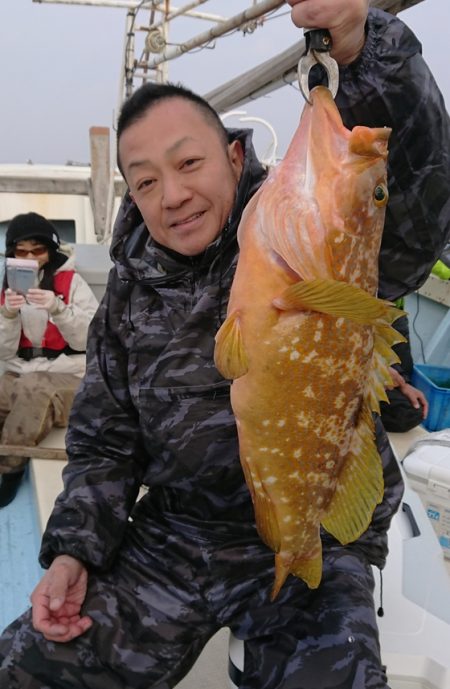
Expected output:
(152, 408)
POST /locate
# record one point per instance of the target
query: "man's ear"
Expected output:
(236, 156)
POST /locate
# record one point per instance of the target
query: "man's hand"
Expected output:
(415, 396)
(345, 20)
(42, 299)
(58, 598)
(13, 301)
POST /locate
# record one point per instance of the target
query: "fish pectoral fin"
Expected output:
(360, 485)
(230, 356)
(334, 298)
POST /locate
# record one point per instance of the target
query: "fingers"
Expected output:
(13, 300)
(345, 20)
(416, 397)
(57, 599)
(424, 403)
(42, 298)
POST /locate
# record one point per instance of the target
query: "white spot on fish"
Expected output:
(339, 401)
(317, 336)
(296, 340)
(308, 392)
(275, 450)
(296, 474)
(263, 449)
(303, 420)
(331, 464)
(340, 322)
(339, 238)
(281, 423)
(283, 350)
(294, 356)
(266, 422)
(297, 454)
(271, 479)
(309, 357)
(287, 519)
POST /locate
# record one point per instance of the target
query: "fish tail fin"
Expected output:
(282, 570)
(309, 570)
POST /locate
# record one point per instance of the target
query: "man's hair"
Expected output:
(150, 94)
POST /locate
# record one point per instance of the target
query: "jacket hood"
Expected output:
(138, 257)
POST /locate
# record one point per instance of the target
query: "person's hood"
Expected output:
(139, 258)
(68, 254)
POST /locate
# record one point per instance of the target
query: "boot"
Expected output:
(9, 485)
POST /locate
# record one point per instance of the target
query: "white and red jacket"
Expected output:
(65, 330)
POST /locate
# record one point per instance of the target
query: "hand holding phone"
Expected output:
(14, 301)
(22, 274)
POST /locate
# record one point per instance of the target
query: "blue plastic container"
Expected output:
(434, 381)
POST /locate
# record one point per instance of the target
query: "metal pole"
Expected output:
(132, 5)
(185, 10)
(232, 23)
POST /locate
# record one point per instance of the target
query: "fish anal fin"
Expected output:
(360, 485)
(230, 356)
(335, 298)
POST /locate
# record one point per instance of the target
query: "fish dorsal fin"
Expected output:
(385, 336)
(360, 485)
(334, 298)
(229, 355)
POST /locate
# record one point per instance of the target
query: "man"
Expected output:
(153, 409)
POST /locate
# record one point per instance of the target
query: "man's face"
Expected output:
(180, 175)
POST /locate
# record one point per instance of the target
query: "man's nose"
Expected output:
(174, 191)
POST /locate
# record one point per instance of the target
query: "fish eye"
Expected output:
(380, 195)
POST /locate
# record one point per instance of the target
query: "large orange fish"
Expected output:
(306, 341)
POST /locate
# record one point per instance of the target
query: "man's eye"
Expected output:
(145, 184)
(190, 162)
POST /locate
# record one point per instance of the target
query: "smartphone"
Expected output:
(22, 274)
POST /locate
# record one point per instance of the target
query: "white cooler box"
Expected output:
(427, 466)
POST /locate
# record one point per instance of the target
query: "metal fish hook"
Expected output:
(318, 46)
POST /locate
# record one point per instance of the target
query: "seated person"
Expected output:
(407, 405)
(42, 343)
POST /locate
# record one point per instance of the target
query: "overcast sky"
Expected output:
(61, 69)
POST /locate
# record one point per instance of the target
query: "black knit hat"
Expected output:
(31, 226)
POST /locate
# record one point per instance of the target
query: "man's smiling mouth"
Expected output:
(188, 220)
